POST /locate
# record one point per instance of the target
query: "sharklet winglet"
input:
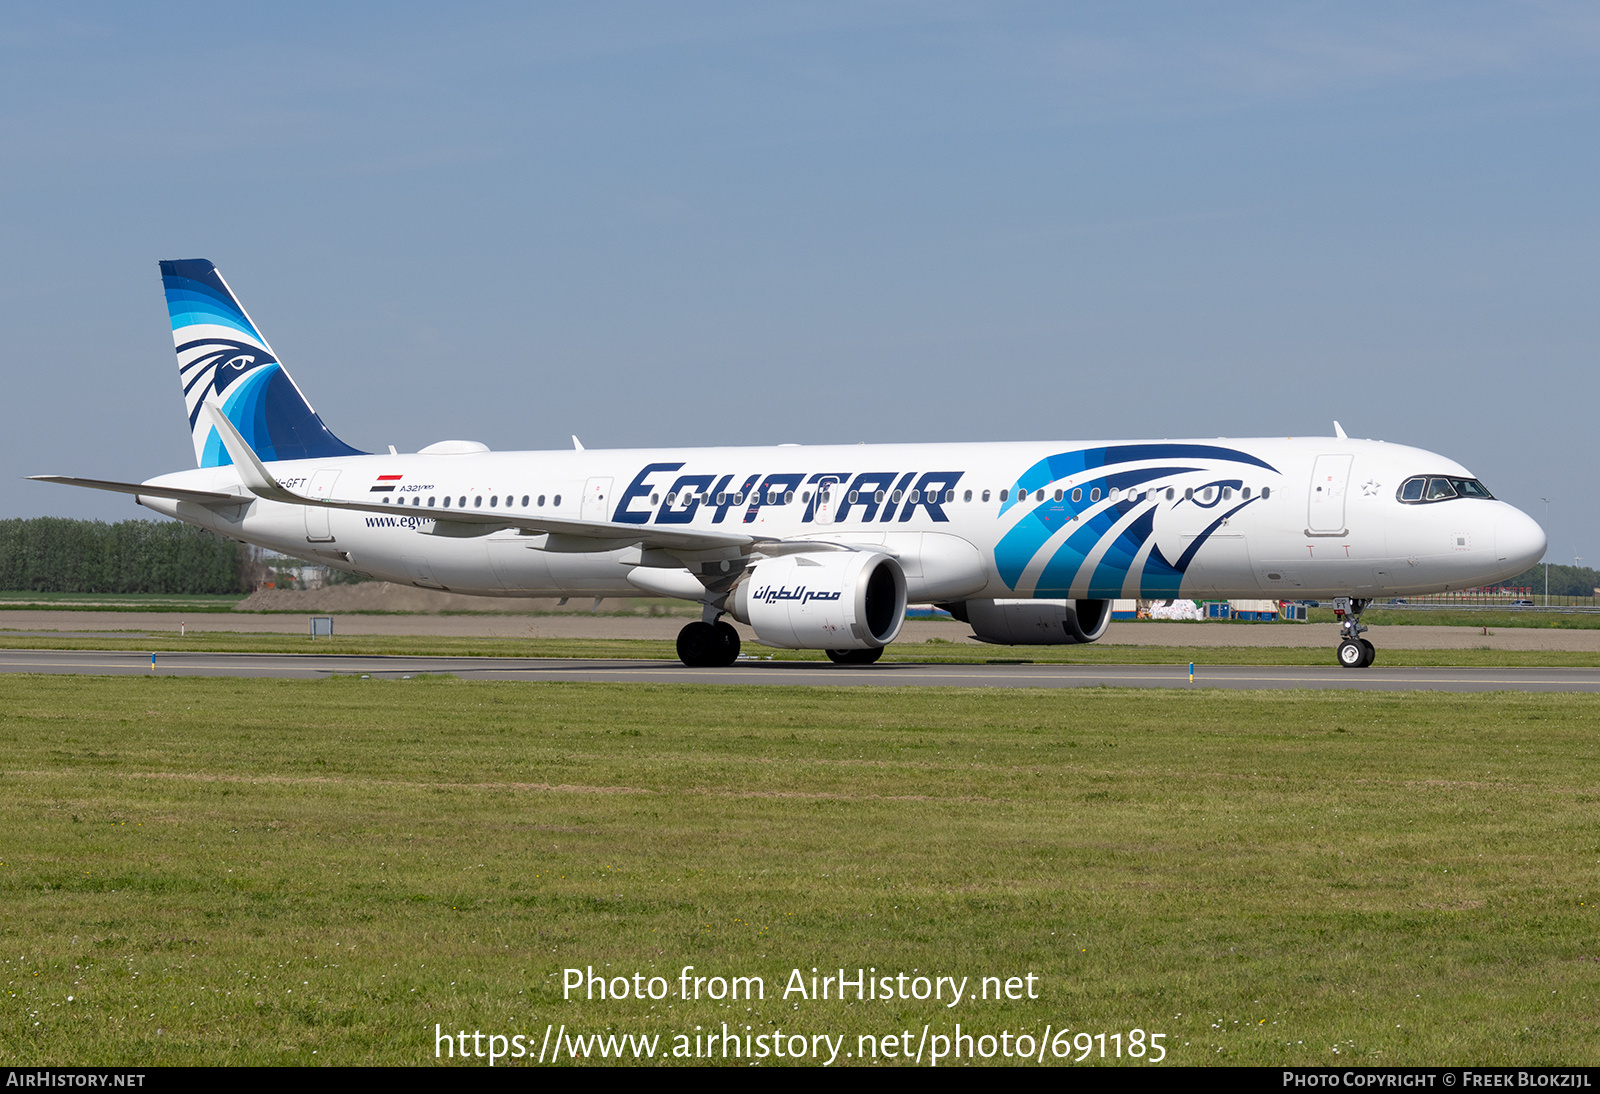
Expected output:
(252, 472)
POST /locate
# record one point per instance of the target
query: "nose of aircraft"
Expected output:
(1519, 541)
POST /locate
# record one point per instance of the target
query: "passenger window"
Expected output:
(1245, 493)
(788, 497)
(1003, 494)
(655, 499)
(558, 501)
(1094, 495)
(878, 497)
(1058, 495)
(1227, 493)
(1188, 494)
(1208, 494)
(447, 503)
(854, 496)
(1077, 494)
(430, 501)
(950, 496)
(1116, 492)
(1171, 493)
(968, 496)
(541, 501)
(913, 497)
(493, 501)
(1266, 492)
(1039, 496)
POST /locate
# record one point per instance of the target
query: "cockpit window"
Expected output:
(1426, 488)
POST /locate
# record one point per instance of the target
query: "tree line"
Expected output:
(56, 555)
(1564, 580)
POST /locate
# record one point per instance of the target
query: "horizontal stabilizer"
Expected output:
(202, 497)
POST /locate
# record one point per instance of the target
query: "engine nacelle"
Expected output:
(835, 600)
(1034, 622)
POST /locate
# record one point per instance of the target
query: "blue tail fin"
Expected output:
(223, 359)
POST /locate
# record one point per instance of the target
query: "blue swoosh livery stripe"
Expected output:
(190, 303)
(1062, 464)
(1159, 577)
(1029, 535)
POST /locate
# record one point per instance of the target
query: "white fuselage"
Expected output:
(1283, 518)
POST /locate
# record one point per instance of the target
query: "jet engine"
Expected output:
(1033, 622)
(844, 600)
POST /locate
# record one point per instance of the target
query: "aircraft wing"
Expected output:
(460, 523)
(202, 497)
(259, 481)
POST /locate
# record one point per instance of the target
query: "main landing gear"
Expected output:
(855, 657)
(1355, 652)
(703, 645)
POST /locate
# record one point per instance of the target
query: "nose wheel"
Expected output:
(1354, 651)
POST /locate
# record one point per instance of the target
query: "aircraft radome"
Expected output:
(821, 547)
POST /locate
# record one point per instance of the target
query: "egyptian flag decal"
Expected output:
(390, 480)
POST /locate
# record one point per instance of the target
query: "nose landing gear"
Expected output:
(1354, 651)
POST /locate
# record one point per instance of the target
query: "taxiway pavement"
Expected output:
(757, 672)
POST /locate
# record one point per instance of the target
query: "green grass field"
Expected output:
(231, 871)
(11, 600)
(1470, 617)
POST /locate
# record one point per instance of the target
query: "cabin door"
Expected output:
(595, 493)
(1330, 478)
(317, 530)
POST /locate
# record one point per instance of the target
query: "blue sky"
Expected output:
(656, 224)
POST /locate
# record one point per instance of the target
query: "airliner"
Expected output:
(822, 546)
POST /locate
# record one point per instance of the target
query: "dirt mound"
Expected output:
(381, 596)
